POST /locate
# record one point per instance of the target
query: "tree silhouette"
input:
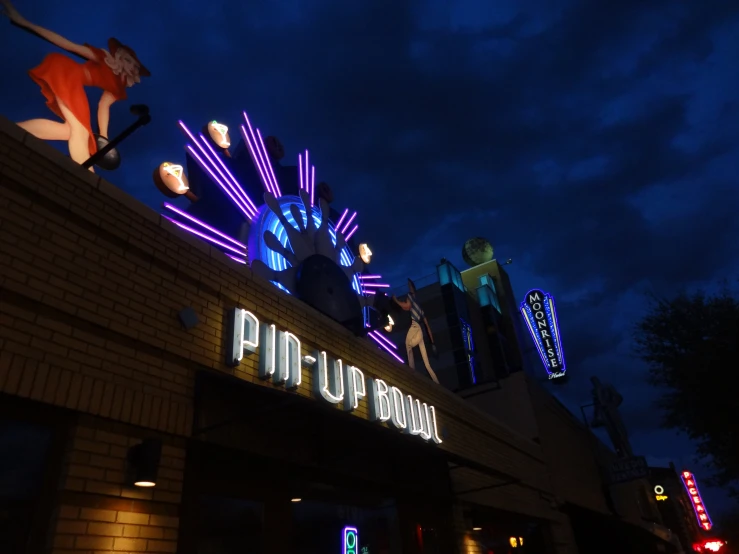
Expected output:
(691, 344)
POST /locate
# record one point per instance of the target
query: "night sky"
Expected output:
(595, 143)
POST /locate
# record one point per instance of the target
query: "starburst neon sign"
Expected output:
(699, 508)
(541, 319)
(291, 218)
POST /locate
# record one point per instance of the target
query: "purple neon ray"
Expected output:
(236, 186)
(255, 159)
(346, 225)
(258, 155)
(365, 291)
(225, 185)
(312, 185)
(203, 235)
(269, 165)
(307, 175)
(385, 340)
(338, 225)
(237, 203)
(234, 258)
(186, 215)
(385, 348)
(300, 169)
(348, 236)
(370, 276)
(376, 285)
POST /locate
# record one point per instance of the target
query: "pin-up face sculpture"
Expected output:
(218, 133)
(365, 253)
(171, 180)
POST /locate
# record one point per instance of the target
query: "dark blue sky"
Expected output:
(595, 143)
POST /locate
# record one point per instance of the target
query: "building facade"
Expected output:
(497, 373)
(116, 360)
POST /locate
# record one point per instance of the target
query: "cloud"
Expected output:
(596, 144)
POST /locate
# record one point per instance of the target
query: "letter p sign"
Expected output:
(351, 540)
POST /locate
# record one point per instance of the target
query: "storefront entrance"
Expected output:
(275, 473)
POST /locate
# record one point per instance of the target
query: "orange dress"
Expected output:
(61, 77)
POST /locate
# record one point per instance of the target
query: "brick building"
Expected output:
(94, 360)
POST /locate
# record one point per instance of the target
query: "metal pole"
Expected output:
(143, 119)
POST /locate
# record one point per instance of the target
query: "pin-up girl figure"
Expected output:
(63, 81)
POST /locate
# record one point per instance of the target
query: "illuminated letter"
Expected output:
(355, 388)
(433, 426)
(379, 401)
(417, 414)
(268, 352)
(245, 335)
(397, 408)
(329, 379)
(288, 361)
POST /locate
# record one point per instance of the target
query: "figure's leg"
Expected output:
(425, 357)
(79, 137)
(412, 340)
(46, 129)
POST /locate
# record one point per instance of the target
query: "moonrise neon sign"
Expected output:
(695, 499)
(541, 319)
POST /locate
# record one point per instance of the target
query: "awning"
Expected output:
(597, 533)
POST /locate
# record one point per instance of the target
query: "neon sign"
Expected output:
(350, 538)
(541, 319)
(335, 381)
(704, 521)
(659, 493)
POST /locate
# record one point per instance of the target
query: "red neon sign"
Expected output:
(704, 521)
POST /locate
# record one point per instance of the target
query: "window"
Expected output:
(450, 274)
(318, 528)
(228, 526)
(469, 346)
(26, 449)
(487, 293)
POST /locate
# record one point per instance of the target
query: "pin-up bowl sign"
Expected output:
(541, 319)
(704, 521)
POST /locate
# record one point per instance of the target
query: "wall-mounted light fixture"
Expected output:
(188, 318)
(143, 460)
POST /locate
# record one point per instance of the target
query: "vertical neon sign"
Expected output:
(541, 319)
(695, 498)
(351, 540)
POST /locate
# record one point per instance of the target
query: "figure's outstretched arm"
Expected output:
(17, 19)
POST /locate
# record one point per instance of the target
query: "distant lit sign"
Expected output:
(713, 545)
(515, 542)
(659, 493)
(351, 540)
(541, 318)
(695, 497)
(336, 382)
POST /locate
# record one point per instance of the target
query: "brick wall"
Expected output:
(91, 282)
